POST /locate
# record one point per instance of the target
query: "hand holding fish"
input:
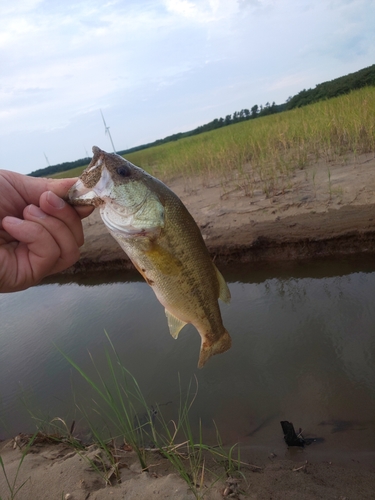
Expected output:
(40, 234)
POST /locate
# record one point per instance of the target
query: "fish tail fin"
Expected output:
(209, 349)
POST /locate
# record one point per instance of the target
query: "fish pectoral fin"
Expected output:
(175, 324)
(224, 293)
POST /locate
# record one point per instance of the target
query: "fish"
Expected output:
(161, 238)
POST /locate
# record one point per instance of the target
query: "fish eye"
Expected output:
(123, 171)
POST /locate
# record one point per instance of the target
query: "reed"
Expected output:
(130, 422)
(268, 149)
(281, 142)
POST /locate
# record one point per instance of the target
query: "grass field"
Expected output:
(269, 148)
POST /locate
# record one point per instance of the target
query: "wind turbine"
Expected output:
(45, 156)
(106, 131)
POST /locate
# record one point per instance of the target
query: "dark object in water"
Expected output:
(292, 439)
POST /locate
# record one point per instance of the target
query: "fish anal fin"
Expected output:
(175, 325)
(224, 293)
(209, 349)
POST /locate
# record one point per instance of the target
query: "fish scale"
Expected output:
(161, 238)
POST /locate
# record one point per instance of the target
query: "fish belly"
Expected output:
(185, 285)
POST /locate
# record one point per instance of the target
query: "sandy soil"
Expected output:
(57, 471)
(325, 209)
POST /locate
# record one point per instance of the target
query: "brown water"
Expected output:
(303, 350)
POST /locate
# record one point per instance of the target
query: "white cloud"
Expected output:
(19, 7)
(288, 81)
(203, 11)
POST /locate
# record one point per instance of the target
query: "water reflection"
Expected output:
(303, 350)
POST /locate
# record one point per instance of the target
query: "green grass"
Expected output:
(128, 420)
(125, 422)
(269, 149)
(273, 146)
(74, 172)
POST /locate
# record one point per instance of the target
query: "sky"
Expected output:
(158, 67)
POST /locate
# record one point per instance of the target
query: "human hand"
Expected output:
(40, 234)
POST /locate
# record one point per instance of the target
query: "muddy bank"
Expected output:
(56, 471)
(326, 209)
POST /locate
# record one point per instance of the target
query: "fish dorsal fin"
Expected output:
(224, 293)
(175, 324)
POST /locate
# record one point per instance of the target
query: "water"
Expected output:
(303, 350)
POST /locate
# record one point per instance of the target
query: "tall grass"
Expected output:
(120, 404)
(271, 148)
(74, 172)
(288, 139)
(130, 422)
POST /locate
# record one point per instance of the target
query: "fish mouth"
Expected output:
(79, 194)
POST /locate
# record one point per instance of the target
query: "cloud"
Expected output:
(19, 7)
(288, 81)
(203, 11)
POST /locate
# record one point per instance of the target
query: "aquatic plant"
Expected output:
(119, 404)
(130, 423)
(126, 422)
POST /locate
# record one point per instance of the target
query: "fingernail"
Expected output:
(54, 200)
(36, 212)
(13, 220)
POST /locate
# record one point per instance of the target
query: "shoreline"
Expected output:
(342, 232)
(309, 218)
(57, 470)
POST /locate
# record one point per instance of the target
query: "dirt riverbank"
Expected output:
(57, 471)
(323, 210)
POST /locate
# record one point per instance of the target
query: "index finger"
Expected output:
(31, 188)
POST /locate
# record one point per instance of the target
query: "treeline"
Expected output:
(326, 90)
(60, 167)
(333, 88)
(238, 116)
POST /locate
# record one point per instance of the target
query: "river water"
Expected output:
(303, 350)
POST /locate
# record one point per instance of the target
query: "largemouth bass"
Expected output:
(161, 238)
